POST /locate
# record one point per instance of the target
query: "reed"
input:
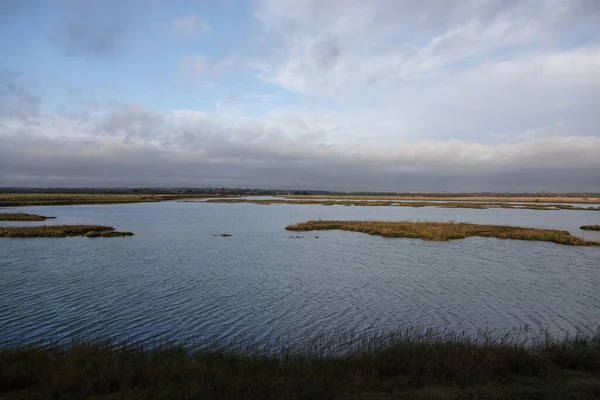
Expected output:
(60, 231)
(22, 217)
(443, 231)
(409, 364)
(590, 227)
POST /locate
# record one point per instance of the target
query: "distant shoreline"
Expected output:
(68, 199)
(516, 198)
(14, 197)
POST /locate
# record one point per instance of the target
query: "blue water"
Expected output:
(175, 280)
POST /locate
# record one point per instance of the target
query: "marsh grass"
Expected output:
(443, 231)
(520, 198)
(31, 199)
(412, 364)
(590, 227)
(60, 231)
(22, 217)
(386, 203)
(319, 202)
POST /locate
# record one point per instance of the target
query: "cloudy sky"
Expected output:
(398, 95)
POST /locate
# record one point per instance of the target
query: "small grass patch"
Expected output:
(444, 231)
(590, 227)
(405, 366)
(91, 231)
(22, 217)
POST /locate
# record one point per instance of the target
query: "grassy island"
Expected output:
(444, 231)
(590, 227)
(408, 367)
(22, 217)
(61, 231)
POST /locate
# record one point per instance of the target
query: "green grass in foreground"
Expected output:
(590, 227)
(60, 231)
(22, 217)
(444, 231)
(409, 366)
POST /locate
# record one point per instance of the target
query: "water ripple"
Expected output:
(174, 279)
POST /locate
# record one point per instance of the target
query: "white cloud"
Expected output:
(202, 64)
(326, 47)
(190, 26)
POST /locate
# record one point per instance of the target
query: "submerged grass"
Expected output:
(444, 231)
(22, 217)
(403, 365)
(384, 203)
(60, 231)
(590, 227)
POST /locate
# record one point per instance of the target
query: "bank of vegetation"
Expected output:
(22, 217)
(443, 231)
(385, 203)
(64, 199)
(589, 198)
(590, 227)
(53, 231)
(406, 365)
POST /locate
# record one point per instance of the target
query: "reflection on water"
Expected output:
(175, 279)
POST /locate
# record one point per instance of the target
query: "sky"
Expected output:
(348, 95)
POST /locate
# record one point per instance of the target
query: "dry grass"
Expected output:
(385, 203)
(30, 199)
(590, 227)
(323, 202)
(444, 231)
(60, 231)
(405, 365)
(22, 217)
(499, 198)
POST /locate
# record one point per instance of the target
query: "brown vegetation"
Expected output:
(45, 199)
(385, 203)
(282, 201)
(60, 231)
(444, 231)
(590, 227)
(22, 217)
(595, 199)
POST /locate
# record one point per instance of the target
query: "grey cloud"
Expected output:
(149, 167)
(131, 122)
(17, 98)
(99, 28)
(122, 150)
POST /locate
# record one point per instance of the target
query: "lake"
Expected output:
(175, 280)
